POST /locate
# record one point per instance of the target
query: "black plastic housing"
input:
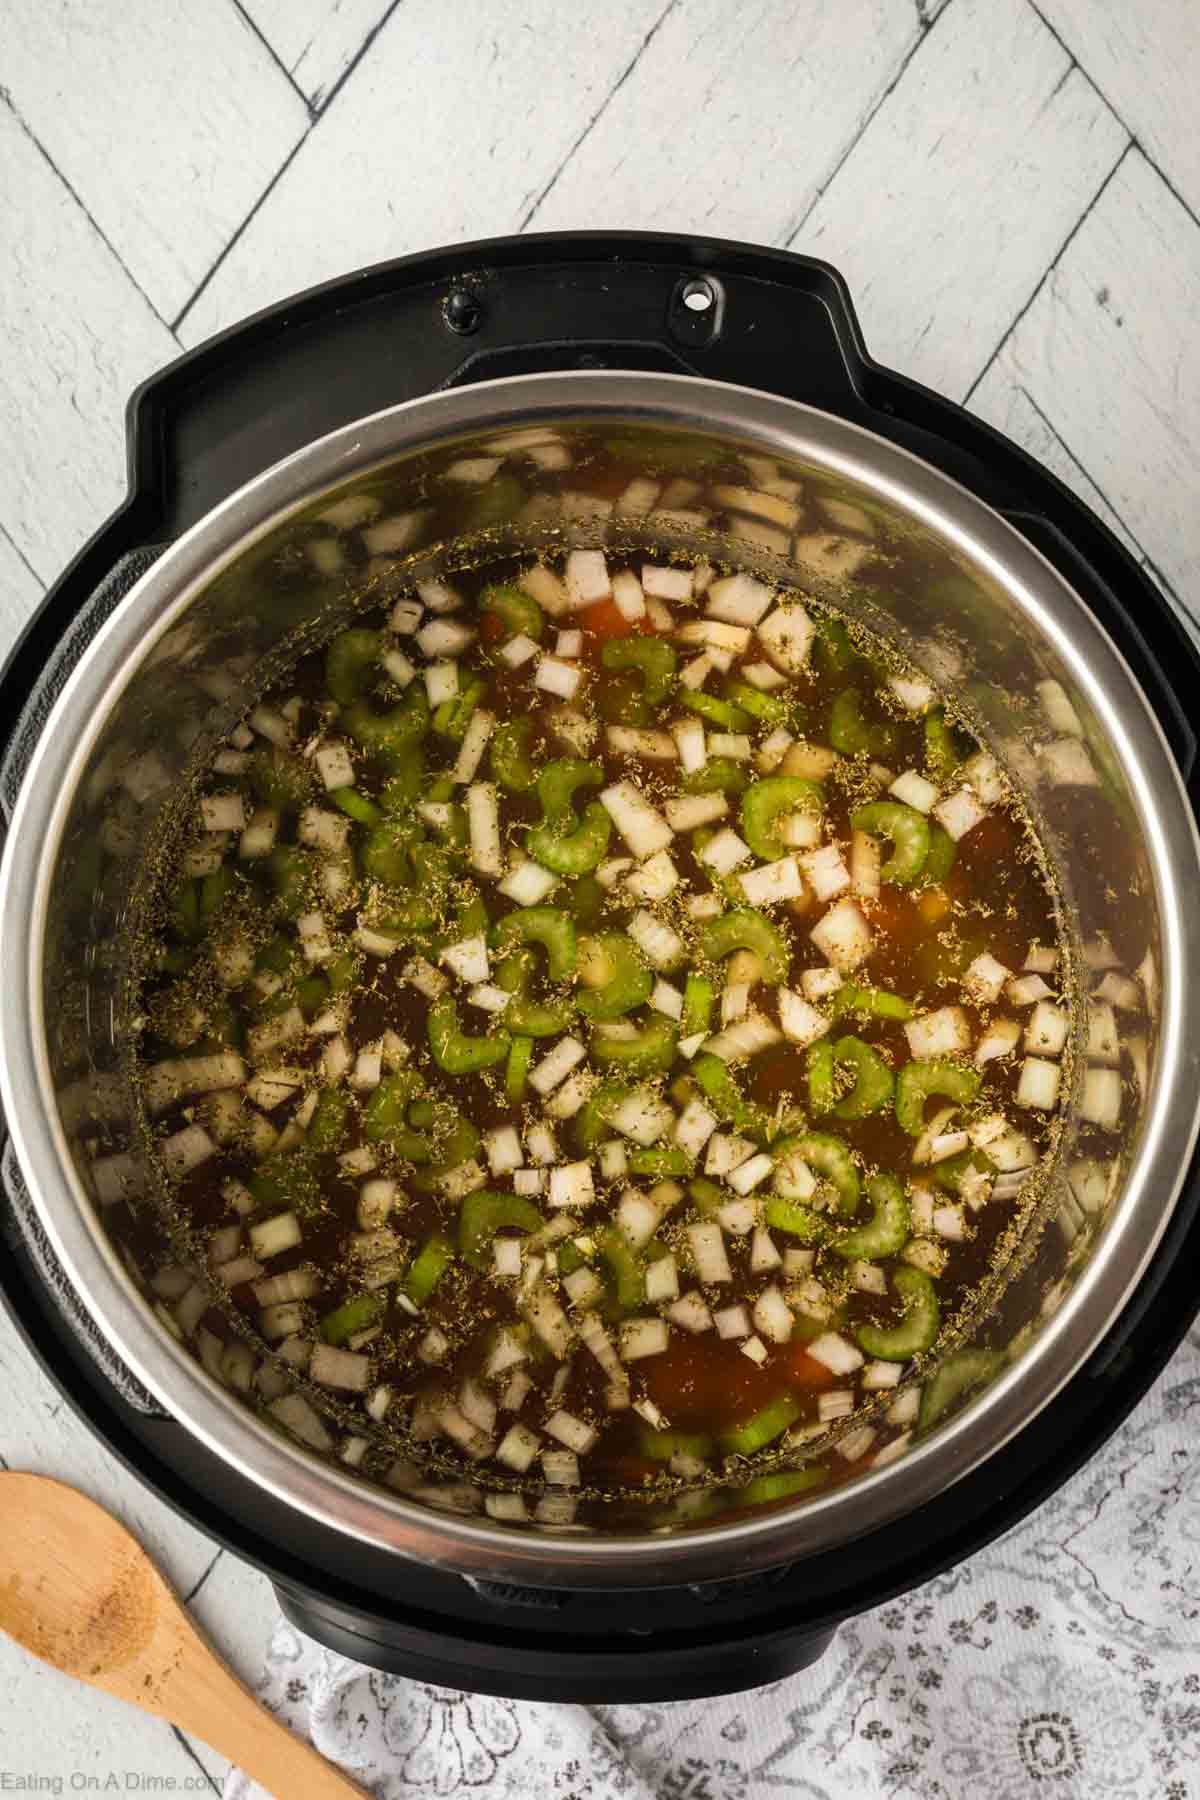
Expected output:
(774, 321)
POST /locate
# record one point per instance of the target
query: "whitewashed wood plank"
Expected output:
(1110, 352)
(733, 118)
(962, 188)
(1145, 59)
(91, 1732)
(1004, 403)
(41, 1433)
(78, 336)
(55, 1730)
(449, 128)
(168, 121)
(316, 40)
(20, 591)
(238, 1611)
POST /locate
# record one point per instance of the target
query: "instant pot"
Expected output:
(244, 528)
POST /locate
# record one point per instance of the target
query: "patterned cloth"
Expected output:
(1061, 1663)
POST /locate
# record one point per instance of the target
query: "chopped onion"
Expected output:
(1100, 1099)
(732, 1322)
(691, 1313)
(643, 1116)
(1039, 1084)
(738, 599)
(222, 812)
(694, 674)
(587, 578)
(746, 1038)
(687, 812)
(275, 1235)
(763, 1253)
(528, 884)
(1046, 1030)
(818, 984)
(571, 1185)
(654, 879)
(398, 667)
(518, 1448)
(843, 936)
(748, 1175)
(913, 693)
(666, 999)
(661, 946)
(915, 790)
(258, 839)
(835, 1403)
(946, 1032)
(557, 677)
(503, 1149)
(727, 1152)
(694, 1127)
(1000, 1039)
(772, 882)
(662, 1279)
(554, 1068)
(984, 979)
(561, 1469)
(868, 1278)
(627, 593)
(334, 765)
(948, 1222)
(468, 959)
(434, 1347)
(1104, 1044)
(786, 635)
(575, 1433)
(773, 1316)
(799, 1021)
(735, 1002)
(643, 1337)
(733, 744)
(518, 651)
(296, 1415)
(708, 1252)
(475, 740)
(483, 823)
(715, 635)
(959, 813)
(836, 1353)
(1067, 763)
(855, 1444)
(186, 1149)
(640, 824)
(689, 744)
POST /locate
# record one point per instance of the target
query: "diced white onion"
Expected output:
(708, 1252)
(786, 635)
(1000, 1039)
(687, 812)
(984, 979)
(640, 824)
(528, 884)
(643, 1337)
(566, 1055)
(959, 813)
(690, 1313)
(1100, 1099)
(654, 879)
(773, 1316)
(915, 790)
(746, 1038)
(837, 1354)
(587, 578)
(750, 1174)
(661, 946)
(1039, 1084)
(946, 1032)
(483, 823)
(571, 1185)
(843, 935)
(1046, 1029)
(772, 882)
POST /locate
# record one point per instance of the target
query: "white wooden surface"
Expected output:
(1012, 188)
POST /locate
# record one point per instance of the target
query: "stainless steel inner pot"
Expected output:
(989, 619)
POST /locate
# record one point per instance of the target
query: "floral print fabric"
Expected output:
(1063, 1662)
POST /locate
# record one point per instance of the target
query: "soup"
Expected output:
(601, 1020)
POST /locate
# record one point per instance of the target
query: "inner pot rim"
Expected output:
(373, 1513)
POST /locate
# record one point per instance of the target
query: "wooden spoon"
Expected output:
(78, 1591)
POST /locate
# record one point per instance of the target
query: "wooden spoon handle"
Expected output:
(208, 1701)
